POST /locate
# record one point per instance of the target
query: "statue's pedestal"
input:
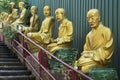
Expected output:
(103, 74)
(67, 55)
(59, 70)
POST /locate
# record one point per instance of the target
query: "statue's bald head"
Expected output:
(47, 10)
(22, 3)
(34, 9)
(12, 4)
(47, 7)
(61, 11)
(93, 17)
(94, 12)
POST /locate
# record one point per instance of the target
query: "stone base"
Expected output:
(103, 74)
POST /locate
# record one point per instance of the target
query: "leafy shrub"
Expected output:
(9, 33)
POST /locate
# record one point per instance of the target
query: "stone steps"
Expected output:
(10, 66)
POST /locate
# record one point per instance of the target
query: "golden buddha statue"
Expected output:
(15, 14)
(34, 21)
(99, 45)
(43, 36)
(12, 6)
(4, 16)
(65, 33)
(23, 15)
(12, 17)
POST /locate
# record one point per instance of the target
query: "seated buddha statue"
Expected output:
(99, 45)
(12, 6)
(12, 17)
(23, 15)
(34, 21)
(4, 16)
(43, 36)
(65, 33)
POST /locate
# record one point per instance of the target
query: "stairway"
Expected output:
(10, 66)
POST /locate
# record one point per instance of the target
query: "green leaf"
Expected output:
(9, 33)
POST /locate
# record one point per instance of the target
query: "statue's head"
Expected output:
(93, 16)
(12, 5)
(34, 9)
(4, 15)
(21, 5)
(60, 14)
(15, 11)
(47, 11)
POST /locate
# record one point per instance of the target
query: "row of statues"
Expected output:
(23, 15)
(44, 35)
(99, 45)
(9, 18)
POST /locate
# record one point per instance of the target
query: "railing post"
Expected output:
(2, 31)
(43, 59)
(24, 44)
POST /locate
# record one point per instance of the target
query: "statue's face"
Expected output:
(33, 10)
(47, 11)
(59, 16)
(15, 11)
(20, 6)
(12, 5)
(93, 19)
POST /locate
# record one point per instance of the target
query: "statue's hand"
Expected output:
(88, 54)
(29, 34)
(52, 40)
(84, 52)
(59, 42)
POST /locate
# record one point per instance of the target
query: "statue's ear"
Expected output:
(99, 18)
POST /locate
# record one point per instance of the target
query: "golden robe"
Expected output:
(44, 36)
(34, 24)
(65, 37)
(98, 49)
(13, 16)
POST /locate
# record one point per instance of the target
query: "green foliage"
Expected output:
(4, 6)
(103, 74)
(59, 70)
(9, 33)
(66, 55)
